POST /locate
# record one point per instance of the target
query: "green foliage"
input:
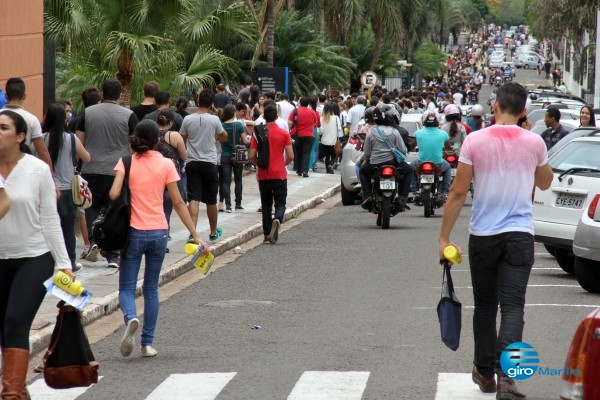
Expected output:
(512, 12)
(429, 60)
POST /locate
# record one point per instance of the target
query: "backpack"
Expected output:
(261, 134)
(111, 227)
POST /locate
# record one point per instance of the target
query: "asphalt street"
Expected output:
(337, 309)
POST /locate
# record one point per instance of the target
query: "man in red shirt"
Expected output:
(302, 121)
(272, 181)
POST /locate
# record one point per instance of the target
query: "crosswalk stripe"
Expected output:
(40, 391)
(192, 386)
(459, 386)
(330, 385)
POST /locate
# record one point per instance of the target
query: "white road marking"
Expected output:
(526, 305)
(330, 385)
(192, 386)
(459, 386)
(40, 391)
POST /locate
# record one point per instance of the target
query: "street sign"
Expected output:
(278, 79)
(369, 79)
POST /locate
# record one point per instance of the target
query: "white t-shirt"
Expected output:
(34, 129)
(355, 114)
(286, 109)
(457, 98)
(31, 227)
(502, 155)
(280, 122)
(329, 130)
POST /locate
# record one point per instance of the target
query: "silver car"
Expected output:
(586, 247)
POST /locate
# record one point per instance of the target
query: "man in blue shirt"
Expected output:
(431, 141)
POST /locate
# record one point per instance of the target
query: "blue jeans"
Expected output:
(168, 204)
(445, 169)
(500, 268)
(151, 244)
(183, 181)
(68, 215)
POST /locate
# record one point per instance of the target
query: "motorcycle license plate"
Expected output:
(427, 178)
(387, 184)
(453, 171)
(569, 201)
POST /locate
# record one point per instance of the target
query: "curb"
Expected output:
(100, 307)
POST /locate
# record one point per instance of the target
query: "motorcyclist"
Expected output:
(431, 142)
(454, 128)
(475, 121)
(376, 153)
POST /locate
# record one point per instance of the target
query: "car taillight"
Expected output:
(572, 384)
(427, 168)
(451, 159)
(387, 171)
(592, 207)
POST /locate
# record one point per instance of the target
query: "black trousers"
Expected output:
(272, 189)
(303, 150)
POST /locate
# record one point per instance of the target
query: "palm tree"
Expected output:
(387, 24)
(265, 20)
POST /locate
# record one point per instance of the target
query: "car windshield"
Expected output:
(576, 154)
(410, 126)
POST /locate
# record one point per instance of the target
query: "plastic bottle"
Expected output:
(199, 261)
(451, 254)
(68, 284)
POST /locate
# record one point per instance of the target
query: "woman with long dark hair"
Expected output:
(236, 135)
(587, 116)
(31, 247)
(60, 146)
(150, 172)
(329, 133)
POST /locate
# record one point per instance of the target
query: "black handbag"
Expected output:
(240, 151)
(111, 229)
(69, 361)
(449, 312)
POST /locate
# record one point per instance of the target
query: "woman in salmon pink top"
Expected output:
(149, 174)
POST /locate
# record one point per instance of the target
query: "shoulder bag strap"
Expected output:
(73, 150)
(385, 139)
(233, 130)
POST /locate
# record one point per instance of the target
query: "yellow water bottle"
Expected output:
(451, 254)
(199, 261)
(68, 284)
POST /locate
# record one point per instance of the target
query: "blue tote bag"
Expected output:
(449, 312)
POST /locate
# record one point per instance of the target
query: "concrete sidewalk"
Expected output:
(238, 228)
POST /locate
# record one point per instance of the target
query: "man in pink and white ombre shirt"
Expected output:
(505, 162)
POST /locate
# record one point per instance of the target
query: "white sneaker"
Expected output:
(128, 340)
(92, 256)
(149, 351)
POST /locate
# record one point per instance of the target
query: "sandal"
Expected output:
(217, 235)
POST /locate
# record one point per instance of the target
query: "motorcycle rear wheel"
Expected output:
(386, 205)
(427, 209)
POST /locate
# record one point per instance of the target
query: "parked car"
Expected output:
(556, 211)
(583, 356)
(586, 247)
(565, 116)
(540, 126)
(526, 62)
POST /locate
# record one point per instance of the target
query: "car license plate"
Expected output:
(387, 184)
(569, 201)
(453, 171)
(427, 178)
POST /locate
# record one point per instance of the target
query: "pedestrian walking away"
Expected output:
(32, 246)
(501, 246)
(272, 181)
(236, 136)
(149, 175)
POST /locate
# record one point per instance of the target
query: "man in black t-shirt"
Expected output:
(221, 98)
(147, 105)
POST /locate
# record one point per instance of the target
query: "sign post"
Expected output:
(369, 79)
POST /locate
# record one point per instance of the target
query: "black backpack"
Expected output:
(261, 133)
(111, 228)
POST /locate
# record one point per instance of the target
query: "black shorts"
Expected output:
(202, 182)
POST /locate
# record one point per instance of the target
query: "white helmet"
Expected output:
(477, 111)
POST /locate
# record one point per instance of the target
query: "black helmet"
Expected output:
(430, 119)
(386, 114)
(369, 115)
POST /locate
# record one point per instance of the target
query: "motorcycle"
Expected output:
(429, 193)
(452, 159)
(384, 189)
(498, 81)
(508, 79)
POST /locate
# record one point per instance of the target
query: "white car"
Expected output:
(527, 62)
(495, 62)
(557, 211)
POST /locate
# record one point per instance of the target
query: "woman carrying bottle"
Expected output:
(171, 145)
(60, 147)
(150, 172)
(236, 135)
(31, 246)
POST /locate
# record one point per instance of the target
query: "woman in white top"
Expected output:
(4, 200)
(60, 147)
(32, 245)
(329, 133)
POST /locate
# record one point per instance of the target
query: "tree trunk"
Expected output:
(321, 17)
(270, 33)
(125, 75)
(378, 30)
